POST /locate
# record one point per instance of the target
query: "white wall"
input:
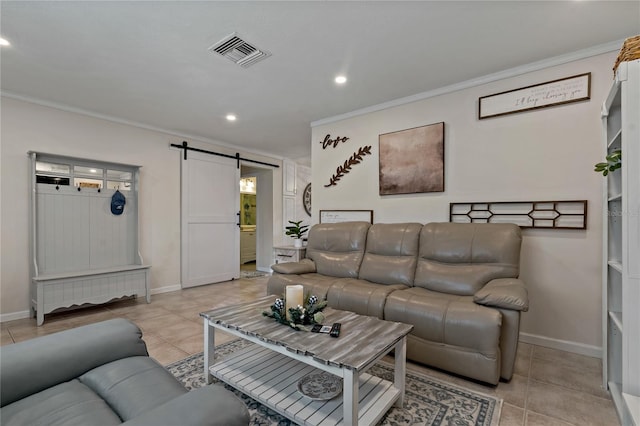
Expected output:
(27, 126)
(303, 177)
(546, 154)
(265, 219)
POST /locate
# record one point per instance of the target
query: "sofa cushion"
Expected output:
(447, 319)
(68, 354)
(360, 296)
(337, 248)
(67, 404)
(314, 284)
(391, 253)
(457, 360)
(132, 386)
(209, 405)
(460, 258)
(305, 266)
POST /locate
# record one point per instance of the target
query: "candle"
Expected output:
(293, 296)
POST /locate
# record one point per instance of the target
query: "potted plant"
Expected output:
(296, 231)
(613, 163)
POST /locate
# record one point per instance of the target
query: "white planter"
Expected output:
(297, 242)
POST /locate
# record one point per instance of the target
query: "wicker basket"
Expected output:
(630, 51)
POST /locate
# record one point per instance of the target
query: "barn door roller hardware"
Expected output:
(185, 146)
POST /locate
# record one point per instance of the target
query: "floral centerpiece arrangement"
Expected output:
(300, 316)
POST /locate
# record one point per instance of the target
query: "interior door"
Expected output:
(210, 232)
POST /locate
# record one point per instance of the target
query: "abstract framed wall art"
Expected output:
(412, 160)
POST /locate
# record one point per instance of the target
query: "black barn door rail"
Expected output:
(185, 146)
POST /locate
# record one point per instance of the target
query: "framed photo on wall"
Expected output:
(412, 160)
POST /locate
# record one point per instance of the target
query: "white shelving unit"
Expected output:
(621, 248)
(81, 253)
(247, 246)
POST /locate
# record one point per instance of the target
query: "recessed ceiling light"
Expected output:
(4, 42)
(341, 79)
(231, 117)
(93, 171)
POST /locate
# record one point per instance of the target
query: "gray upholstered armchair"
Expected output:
(101, 374)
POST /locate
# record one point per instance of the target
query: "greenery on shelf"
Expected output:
(613, 163)
(295, 230)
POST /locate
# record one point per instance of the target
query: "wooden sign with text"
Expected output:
(334, 142)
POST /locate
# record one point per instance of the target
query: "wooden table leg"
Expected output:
(209, 350)
(400, 369)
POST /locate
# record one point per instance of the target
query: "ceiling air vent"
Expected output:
(239, 51)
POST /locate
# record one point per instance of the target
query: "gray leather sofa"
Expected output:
(456, 283)
(101, 374)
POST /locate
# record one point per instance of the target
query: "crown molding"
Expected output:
(490, 78)
(118, 120)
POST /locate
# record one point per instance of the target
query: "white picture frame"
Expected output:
(336, 216)
(556, 92)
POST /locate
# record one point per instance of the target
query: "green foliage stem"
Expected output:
(613, 163)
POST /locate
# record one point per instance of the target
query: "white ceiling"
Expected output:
(147, 62)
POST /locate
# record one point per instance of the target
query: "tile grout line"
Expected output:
(526, 391)
(567, 388)
(526, 402)
(11, 335)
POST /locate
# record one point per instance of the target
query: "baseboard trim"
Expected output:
(26, 314)
(563, 345)
(263, 269)
(14, 316)
(166, 289)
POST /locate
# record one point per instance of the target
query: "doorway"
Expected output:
(256, 218)
(248, 223)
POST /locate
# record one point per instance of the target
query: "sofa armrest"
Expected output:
(305, 266)
(209, 405)
(508, 293)
(34, 365)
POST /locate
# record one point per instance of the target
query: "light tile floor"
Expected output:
(549, 387)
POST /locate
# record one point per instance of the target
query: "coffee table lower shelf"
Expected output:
(271, 378)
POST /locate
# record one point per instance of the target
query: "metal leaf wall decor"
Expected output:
(342, 170)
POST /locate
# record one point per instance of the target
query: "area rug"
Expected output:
(252, 274)
(427, 401)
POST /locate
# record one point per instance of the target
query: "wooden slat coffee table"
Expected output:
(269, 371)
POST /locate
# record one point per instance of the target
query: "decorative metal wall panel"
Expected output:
(570, 214)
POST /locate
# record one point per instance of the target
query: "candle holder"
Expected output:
(298, 317)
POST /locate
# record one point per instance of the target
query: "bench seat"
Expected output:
(94, 286)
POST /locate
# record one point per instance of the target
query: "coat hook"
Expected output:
(98, 190)
(57, 187)
(78, 189)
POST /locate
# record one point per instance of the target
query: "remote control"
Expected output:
(319, 328)
(335, 330)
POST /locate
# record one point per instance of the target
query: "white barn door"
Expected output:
(210, 234)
